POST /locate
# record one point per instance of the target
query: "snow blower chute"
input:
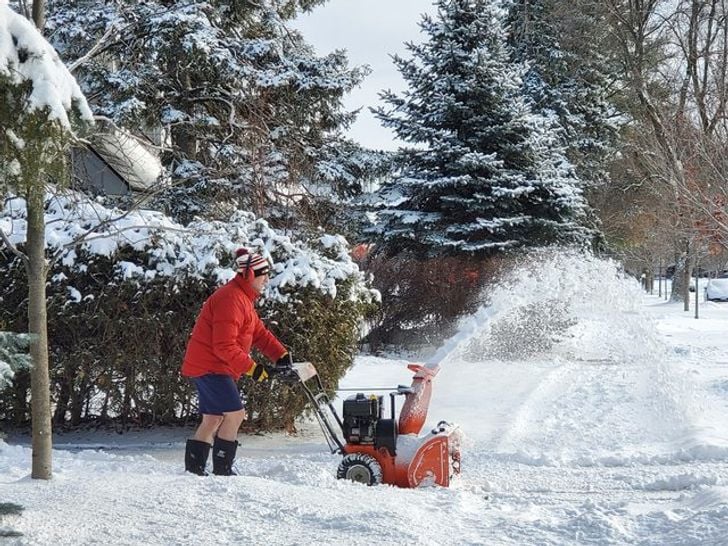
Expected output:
(380, 449)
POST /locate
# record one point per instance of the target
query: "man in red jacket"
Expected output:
(218, 353)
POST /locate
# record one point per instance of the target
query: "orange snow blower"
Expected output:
(377, 449)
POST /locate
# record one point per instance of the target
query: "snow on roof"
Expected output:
(129, 157)
(25, 56)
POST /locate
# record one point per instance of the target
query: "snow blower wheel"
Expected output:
(360, 468)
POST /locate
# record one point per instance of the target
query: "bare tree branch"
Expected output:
(101, 44)
(13, 248)
(24, 9)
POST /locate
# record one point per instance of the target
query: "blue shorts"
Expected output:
(218, 394)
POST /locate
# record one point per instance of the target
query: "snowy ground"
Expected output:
(616, 434)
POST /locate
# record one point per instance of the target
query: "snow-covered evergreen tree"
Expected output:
(13, 355)
(486, 172)
(245, 109)
(571, 75)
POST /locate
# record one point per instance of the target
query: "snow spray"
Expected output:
(564, 302)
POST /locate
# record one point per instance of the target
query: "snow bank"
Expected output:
(680, 482)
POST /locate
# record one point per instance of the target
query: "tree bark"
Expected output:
(39, 14)
(687, 274)
(21, 387)
(38, 329)
(78, 398)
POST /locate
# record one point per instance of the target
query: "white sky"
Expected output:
(370, 31)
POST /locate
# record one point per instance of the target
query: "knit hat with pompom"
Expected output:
(245, 261)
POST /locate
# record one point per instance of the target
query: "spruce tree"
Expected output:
(571, 75)
(41, 109)
(485, 172)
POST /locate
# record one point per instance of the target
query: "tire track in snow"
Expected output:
(590, 412)
(514, 431)
(495, 392)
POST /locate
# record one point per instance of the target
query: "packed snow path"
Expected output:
(563, 447)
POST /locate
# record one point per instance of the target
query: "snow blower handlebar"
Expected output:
(305, 374)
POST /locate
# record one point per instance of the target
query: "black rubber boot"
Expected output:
(223, 455)
(196, 454)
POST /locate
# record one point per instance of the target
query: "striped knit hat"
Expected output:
(245, 261)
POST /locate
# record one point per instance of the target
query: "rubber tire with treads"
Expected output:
(361, 468)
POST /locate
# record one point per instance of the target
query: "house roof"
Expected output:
(129, 157)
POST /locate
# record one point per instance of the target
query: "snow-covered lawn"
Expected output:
(617, 434)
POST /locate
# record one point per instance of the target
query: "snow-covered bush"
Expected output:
(202, 249)
(122, 303)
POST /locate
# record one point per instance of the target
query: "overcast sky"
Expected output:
(370, 31)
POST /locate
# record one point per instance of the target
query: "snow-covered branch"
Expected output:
(101, 44)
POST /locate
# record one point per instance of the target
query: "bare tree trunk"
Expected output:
(39, 14)
(182, 135)
(38, 328)
(687, 274)
(637, 25)
(20, 395)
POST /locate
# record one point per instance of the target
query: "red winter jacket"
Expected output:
(226, 329)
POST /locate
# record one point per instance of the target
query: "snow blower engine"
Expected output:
(380, 449)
